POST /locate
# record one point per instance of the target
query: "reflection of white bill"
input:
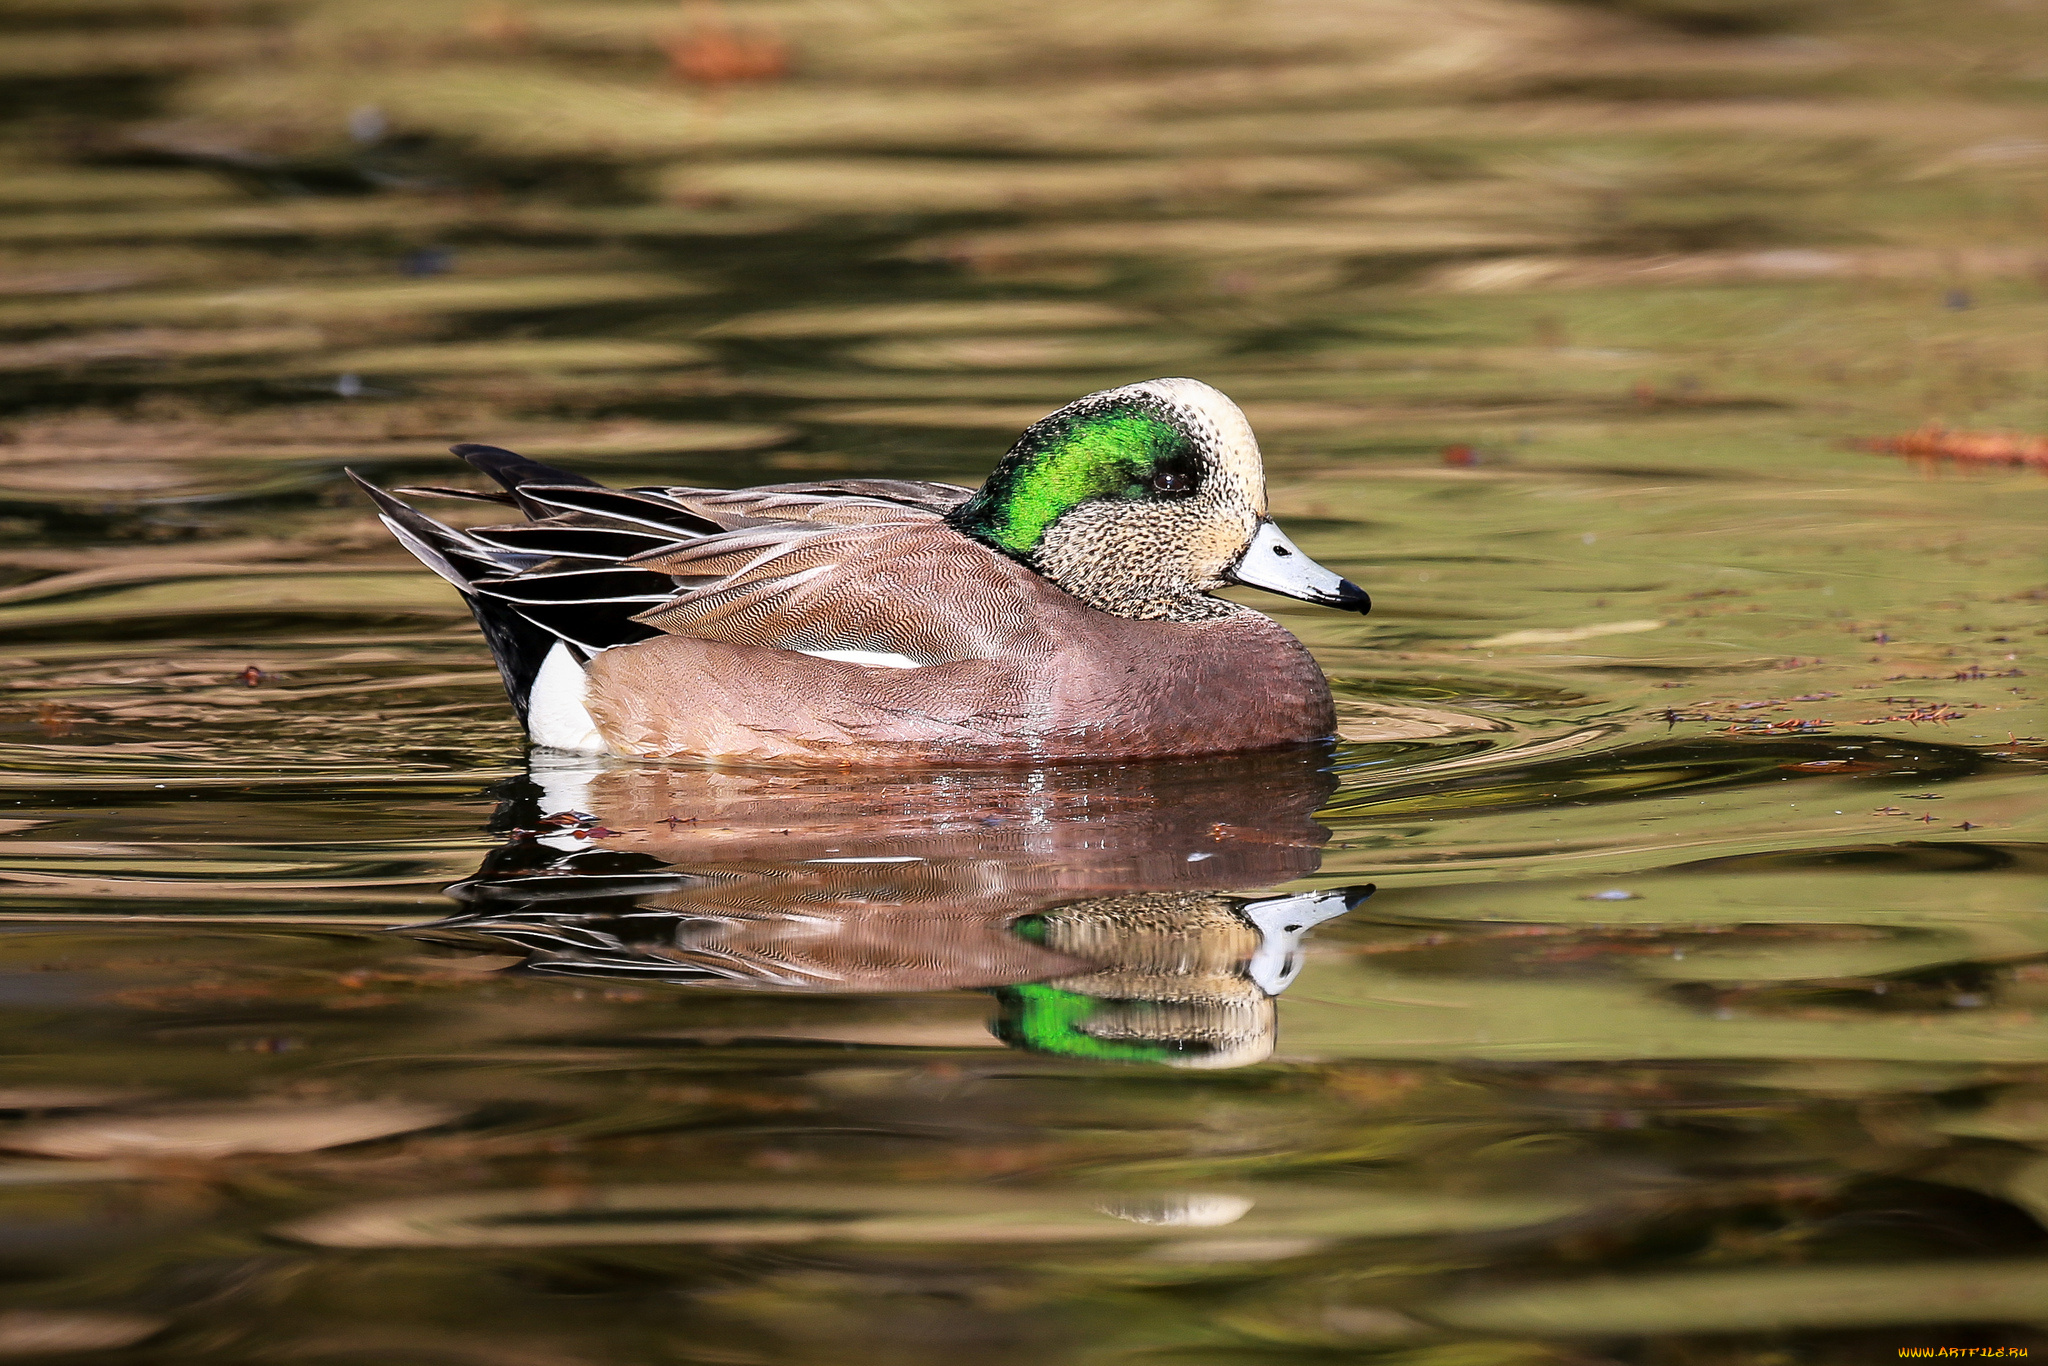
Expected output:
(1282, 921)
(1180, 1211)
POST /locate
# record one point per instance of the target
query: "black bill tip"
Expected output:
(1351, 598)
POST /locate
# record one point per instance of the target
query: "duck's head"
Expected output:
(1181, 978)
(1142, 501)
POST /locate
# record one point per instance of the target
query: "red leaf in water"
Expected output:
(716, 53)
(1935, 442)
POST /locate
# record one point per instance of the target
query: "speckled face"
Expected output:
(1136, 500)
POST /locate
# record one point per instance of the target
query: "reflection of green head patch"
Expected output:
(1045, 1019)
(1064, 461)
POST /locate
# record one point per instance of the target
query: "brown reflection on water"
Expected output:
(706, 1058)
(1092, 898)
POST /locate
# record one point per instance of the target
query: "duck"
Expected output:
(1064, 610)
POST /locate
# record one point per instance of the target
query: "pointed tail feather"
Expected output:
(455, 556)
(519, 646)
(553, 585)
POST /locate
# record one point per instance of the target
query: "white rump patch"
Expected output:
(555, 714)
(874, 659)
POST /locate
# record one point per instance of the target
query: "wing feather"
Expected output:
(841, 502)
(631, 509)
(912, 587)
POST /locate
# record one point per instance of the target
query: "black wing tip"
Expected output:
(512, 469)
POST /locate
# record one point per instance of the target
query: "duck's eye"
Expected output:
(1173, 481)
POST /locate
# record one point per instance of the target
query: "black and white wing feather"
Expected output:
(575, 573)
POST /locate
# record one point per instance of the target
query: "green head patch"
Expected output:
(1122, 453)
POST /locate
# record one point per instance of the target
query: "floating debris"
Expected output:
(1758, 726)
(567, 820)
(1936, 442)
(715, 53)
(56, 719)
(1935, 712)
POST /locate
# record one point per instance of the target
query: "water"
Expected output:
(1655, 970)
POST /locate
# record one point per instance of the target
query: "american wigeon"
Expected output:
(1064, 609)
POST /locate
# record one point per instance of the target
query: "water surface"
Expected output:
(1655, 969)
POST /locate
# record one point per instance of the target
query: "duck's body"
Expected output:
(1062, 611)
(1005, 666)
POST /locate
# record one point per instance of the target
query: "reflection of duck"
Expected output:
(1186, 978)
(1063, 610)
(1089, 897)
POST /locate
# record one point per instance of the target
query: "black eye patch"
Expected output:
(1175, 476)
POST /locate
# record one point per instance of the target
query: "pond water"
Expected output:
(1655, 968)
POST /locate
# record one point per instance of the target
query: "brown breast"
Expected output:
(1108, 689)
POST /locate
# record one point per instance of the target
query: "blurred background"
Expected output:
(1386, 227)
(1672, 372)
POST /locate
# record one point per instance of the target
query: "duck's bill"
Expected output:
(1282, 923)
(1276, 564)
